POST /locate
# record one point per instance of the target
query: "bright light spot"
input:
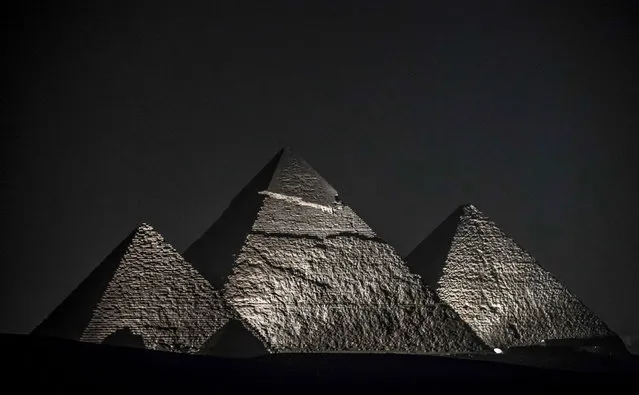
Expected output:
(498, 351)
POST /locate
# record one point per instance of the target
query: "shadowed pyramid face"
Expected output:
(497, 287)
(146, 290)
(306, 274)
(234, 340)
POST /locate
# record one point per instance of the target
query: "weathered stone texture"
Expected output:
(497, 287)
(311, 276)
(293, 177)
(153, 293)
(336, 270)
(291, 215)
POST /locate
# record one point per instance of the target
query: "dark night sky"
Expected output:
(136, 111)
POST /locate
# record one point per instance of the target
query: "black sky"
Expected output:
(117, 113)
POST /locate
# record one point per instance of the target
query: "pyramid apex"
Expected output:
(144, 227)
(144, 231)
(288, 153)
(468, 208)
(285, 149)
(292, 176)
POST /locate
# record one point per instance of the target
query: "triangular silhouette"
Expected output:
(147, 288)
(234, 340)
(498, 288)
(307, 274)
(72, 316)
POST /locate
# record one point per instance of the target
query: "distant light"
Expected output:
(498, 351)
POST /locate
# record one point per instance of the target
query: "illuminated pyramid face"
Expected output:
(143, 295)
(304, 273)
(497, 287)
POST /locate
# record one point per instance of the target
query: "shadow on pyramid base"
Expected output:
(234, 340)
(124, 338)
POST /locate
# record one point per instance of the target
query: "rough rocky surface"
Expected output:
(143, 295)
(498, 288)
(305, 274)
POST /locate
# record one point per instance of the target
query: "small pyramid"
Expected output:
(498, 288)
(306, 274)
(234, 340)
(144, 294)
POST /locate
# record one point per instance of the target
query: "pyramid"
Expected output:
(144, 294)
(304, 273)
(498, 288)
(234, 340)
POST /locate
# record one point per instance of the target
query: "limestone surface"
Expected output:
(143, 295)
(304, 273)
(498, 288)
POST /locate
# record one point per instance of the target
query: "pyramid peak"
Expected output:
(284, 152)
(288, 154)
(463, 210)
(145, 226)
(292, 176)
(287, 174)
(287, 149)
(144, 233)
(145, 229)
(469, 208)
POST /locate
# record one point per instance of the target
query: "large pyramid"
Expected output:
(498, 288)
(144, 294)
(303, 273)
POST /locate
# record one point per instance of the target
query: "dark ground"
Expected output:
(59, 364)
